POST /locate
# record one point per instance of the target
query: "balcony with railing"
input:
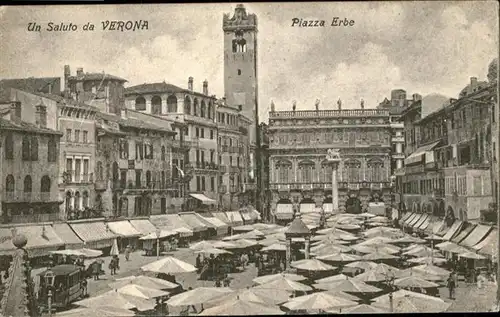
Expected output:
(330, 113)
(72, 177)
(203, 166)
(186, 144)
(151, 186)
(29, 197)
(328, 186)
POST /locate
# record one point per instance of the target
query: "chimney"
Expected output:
(123, 113)
(41, 116)
(473, 82)
(79, 72)
(50, 88)
(190, 83)
(416, 97)
(205, 87)
(67, 74)
(15, 111)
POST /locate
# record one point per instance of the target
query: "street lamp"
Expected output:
(158, 232)
(49, 284)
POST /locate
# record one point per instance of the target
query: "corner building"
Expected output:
(300, 179)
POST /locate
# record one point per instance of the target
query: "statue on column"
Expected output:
(294, 105)
(362, 104)
(339, 103)
(317, 104)
(272, 106)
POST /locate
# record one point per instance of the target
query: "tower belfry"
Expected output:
(240, 63)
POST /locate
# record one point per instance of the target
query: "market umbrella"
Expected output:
(88, 253)
(233, 237)
(213, 251)
(169, 265)
(366, 215)
(330, 237)
(240, 307)
(264, 226)
(332, 230)
(319, 243)
(254, 234)
(257, 295)
(379, 273)
(410, 303)
(318, 301)
(141, 291)
(201, 245)
(269, 241)
(428, 260)
(312, 265)
(346, 237)
(114, 248)
(378, 256)
(101, 311)
(414, 281)
(351, 286)
(431, 269)
(471, 255)
(338, 277)
(246, 228)
(363, 309)
(408, 239)
(427, 277)
(421, 251)
(377, 240)
(339, 257)
(348, 226)
(154, 235)
(328, 248)
(115, 299)
(286, 285)
(198, 295)
(343, 295)
(271, 278)
(145, 281)
(244, 243)
(222, 244)
(384, 248)
(364, 265)
(379, 219)
(274, 247)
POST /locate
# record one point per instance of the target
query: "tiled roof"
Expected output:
(62, 100)
(25, 126)
(132, 123)
(298, 227)
(158, 88)
(33, 84)
(96, 76)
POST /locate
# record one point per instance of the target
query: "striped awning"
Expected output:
(204, 199)
(489, 245)
(67, 235)
(284, 212)
(479, 232)
(172, 222)
(466, 230)
(144, 226)
(420, 221)
(124, 229)
(196, 224)
(221, 216)
(425, 223)
(234, 218)
(416, 219)
(455, 227)
(95, 235)
(411, 218)
(41, 239)
(417, 156)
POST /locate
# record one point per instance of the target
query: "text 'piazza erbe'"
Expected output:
(336, 21)
(108, 25)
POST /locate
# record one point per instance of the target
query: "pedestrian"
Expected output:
(227, 280)
(112, 266)
(451, 286)
(218, 282)
(95, 270)
(198, 262)
(128, 249)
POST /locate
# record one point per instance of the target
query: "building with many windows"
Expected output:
(29, 164)
(299, 174)
(193, 115)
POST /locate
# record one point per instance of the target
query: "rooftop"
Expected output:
(329, 113)
(298, 227)
(162, 87)
(33, 84)
(133, 123)
(96, 76)
(64, 101)
(23, 126)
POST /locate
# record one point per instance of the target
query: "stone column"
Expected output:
(335, 189)
(288, 252)
(307, 247)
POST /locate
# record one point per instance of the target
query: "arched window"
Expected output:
(156, 105)
(28, 184)
(45, 184)
(284, 171)
(375, 170)
(68, 201)
(34, 148)
(140, 103)
(187, 105)
(352, 169)
(52, 150)
(148, 178)
(9, 146)
(100, 171)
(85, 201)
(78, 200)
(172, 104)
(163, 153)
(195, 107)
(10, 183)
(326, 170)
(306, 169)
(202, 109)
(26, 148)
(209, 110)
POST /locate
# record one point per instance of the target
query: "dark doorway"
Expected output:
(164, 205)
(353, 205)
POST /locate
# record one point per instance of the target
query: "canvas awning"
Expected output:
(204, 221)
(193, 222)
(489, 246)
(284, 212)
(234, 218)
(67, 235)
(204, 199)
(222, 217)
(420, 221)
(219, 226)
(172, 222)
(416, 219)
(425, 223)
(407, 216)
(411, 218)
(95, 235)
(255, 214)
(144, 226)
(328, 207)
(455, 227)
(307, 208)
(463, 233)
(417, 156)
(435, 226)
(124, 229)
(479, 232)
(246, 215)
(41, 240)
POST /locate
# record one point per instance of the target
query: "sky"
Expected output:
(422, 47)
